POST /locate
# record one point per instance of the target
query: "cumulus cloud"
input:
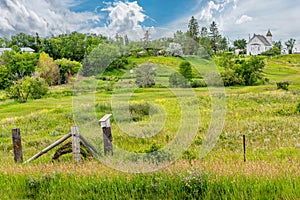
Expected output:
(243, 19)
(43, 16)
(125, 18)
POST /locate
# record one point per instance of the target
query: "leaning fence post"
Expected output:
(17, 145)
(75, 143)
(244, 147)
(107, 136)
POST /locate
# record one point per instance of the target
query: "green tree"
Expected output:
(67, 69)
(185, 69)
(177, 80)
(4, 77)
(290, 45)
(27, 87)
(99, 59)
(240, 44)
(193, 29)
(278, 44)
(48, 70)
(145, 75)
(251, 70)
(215, 37)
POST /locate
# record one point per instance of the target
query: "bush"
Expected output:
(177, 80)
(198, 83)
(283, 85)
(185, 68)
(145, 75)
(230, 78)
(28, 88)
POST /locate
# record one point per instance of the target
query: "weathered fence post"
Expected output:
(17, 145)
(244, 147)
(75, 143)
(107, 136)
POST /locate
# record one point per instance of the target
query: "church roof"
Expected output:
(263, 39)
(269, 34)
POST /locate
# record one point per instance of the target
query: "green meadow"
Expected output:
(268, 117)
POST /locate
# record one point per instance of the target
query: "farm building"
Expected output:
(23, 49)
(259, 44)
(296, 49)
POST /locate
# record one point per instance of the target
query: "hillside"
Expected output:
(265, 115)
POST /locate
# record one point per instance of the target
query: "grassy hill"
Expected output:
(265, 115)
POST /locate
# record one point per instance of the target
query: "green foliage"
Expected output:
(145, 75)
(290, 45)
(240, 44)
(196, 83)
(230, 78)
(176, 80)
(99, 59)
(67, 69)
(185, 69)
(240, 71)
(19, 65)
(283, 85)
(48, 70)
(28, 88)
(272, 52)
(4, 77)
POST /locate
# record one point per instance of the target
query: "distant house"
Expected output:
(259, 44)
(23, 49)
(296, 49)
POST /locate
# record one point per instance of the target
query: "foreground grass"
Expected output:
(192, 185)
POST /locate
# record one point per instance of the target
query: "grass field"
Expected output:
(265, 115)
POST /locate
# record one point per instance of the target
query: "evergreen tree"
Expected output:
(215, 37)
(193, 29)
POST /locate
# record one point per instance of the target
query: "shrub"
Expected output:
(230, 78)
(177, 80)
(195, 83)
(145, 75)
(283, 85)
(27, 88)
(185, 69)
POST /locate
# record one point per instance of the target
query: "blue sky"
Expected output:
(236, 19)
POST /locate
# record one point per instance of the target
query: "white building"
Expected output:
(259, 44)
(23, 49)
(296, 49)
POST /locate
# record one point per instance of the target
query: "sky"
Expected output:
(236, 19)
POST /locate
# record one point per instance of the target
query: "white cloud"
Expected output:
(243, 19)
(42, 16)
(125, 18)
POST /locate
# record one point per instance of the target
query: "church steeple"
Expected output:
(269, 37)
(269, 34)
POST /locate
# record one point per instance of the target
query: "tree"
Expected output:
(67, 69)
(4, 77)
(145, 75)
(28, 87)
(251, 70)
(177, 80)
(290, 45)
(175, 49)
(146, 39)
(99, 59)
(240, 44)
(193, 29)
(185, 69)
(48, 70)
(278, 44)
(214, 36)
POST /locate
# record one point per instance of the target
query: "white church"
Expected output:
(259, 44)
